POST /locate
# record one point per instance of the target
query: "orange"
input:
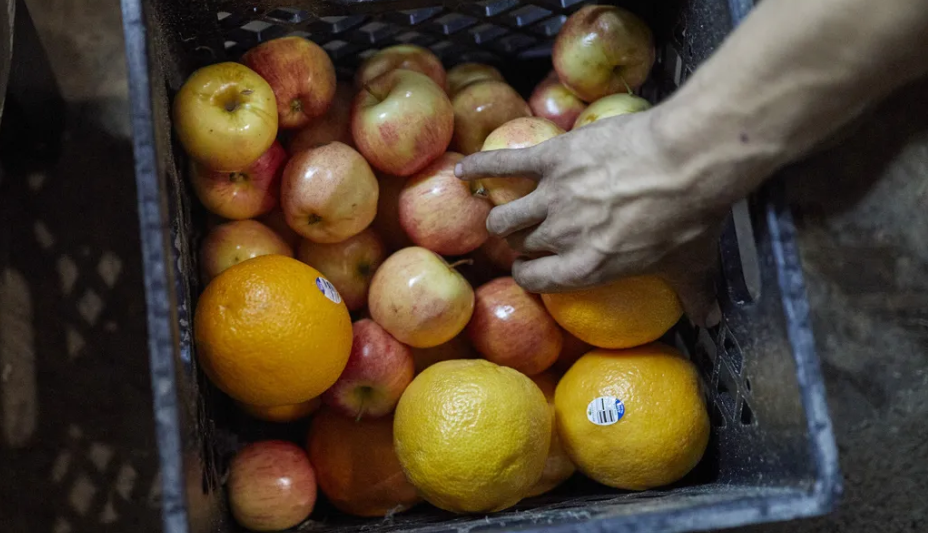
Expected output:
(356, 465)
(558, 467)
(272, 331)
(282, 413)
(632, 419)
(628, 312)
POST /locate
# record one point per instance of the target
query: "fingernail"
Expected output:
(459, 170)
(714, 316)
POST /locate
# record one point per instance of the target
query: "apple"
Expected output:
(457, 348)
(225, 116)
(511, 327)
(430, 196)
(611, 106)
(277, 221)
(387, 220)
(231, 243)
(401, 121)
(553, 101)
(499, 253)
(301, 74)
(349, 264)
(571, 350)
(378, 371)
(603, 50)
(328, 193)
(271, 486)
(419, 298)
(241, 194)
(517, 133)
(464, 74)
(401, 56)
(480, 108)
(334, 125)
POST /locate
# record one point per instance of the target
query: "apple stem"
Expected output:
(361, 409)
(460, 262)
(627, 86)
(481, 191)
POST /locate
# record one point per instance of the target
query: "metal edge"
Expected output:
(828, 485)
(155, 243)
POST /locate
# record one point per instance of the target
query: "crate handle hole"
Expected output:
(747, 414)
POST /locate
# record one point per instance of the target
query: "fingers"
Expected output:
(507, 162)
(531, 240)
(694, 281)
(548, 274)
(518, 214)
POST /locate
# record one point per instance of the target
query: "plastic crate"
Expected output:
(772, 454)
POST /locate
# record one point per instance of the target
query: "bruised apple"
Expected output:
(328, 193)
(428, 198)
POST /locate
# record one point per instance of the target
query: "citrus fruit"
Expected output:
(272, 331)
(632, 419)
(558, 466)
(472, 436)
(356, 467)
(628, 312)
(282, 413)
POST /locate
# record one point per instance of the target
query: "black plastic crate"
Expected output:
(772, 454)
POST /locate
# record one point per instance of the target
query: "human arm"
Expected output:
(645, 193)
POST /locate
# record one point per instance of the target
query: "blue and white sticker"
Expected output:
(605, 410)
(328, 290)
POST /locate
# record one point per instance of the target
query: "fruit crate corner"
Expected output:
(772, 454)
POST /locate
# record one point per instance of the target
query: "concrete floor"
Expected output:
(863, 213)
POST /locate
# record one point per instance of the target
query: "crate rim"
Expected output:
(155, 240)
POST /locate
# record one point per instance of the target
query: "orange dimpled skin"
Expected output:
(267, 335)
(628, 312)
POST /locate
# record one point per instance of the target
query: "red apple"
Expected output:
(349, 264)
(466, 73)
(511, 327)
(430, 196)
(419, 298)
(480, 108)
(387, 221)
(404, 56)
(603, 50)
(241, 194)
(271, 486)
(401, 121)
(457, 348)
(328, 193)
(225, 116)
(499, 253)
(233, 242)
(335, 125)
(611, 106)
(378, 371)
(553, 101)
(571, 350)
(517, 133)
(277, 221)
(301, 74)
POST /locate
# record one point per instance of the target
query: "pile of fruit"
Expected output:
(469, 399)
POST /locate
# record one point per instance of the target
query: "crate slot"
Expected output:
(526, 15)
(732, 351)
(413, 17)
(513, 43)
(716, 418)
(492, 8)
(287, 14)
(485, 33)
(335, 25)
(551, 26)
(374, 32)
(747, 414)
(452, 23)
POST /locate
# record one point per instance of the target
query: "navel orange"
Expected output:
(272, 331)
(628, 312)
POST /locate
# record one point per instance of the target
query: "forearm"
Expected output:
(787, 78)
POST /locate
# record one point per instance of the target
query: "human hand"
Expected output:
(613, 200)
